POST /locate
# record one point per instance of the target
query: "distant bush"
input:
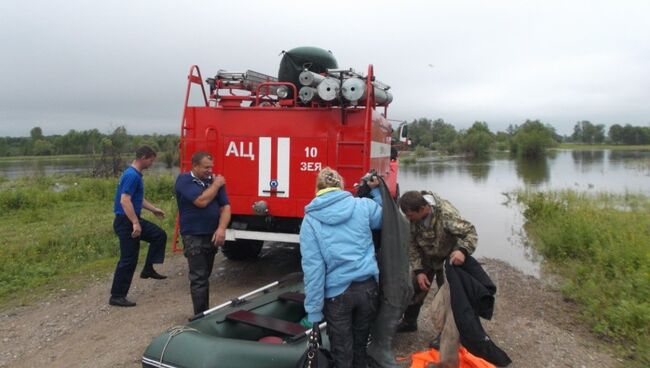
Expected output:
(407, 159)
(420, 151)
(475, 141)
(532, 139)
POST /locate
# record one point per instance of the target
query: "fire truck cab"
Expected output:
(269, 137)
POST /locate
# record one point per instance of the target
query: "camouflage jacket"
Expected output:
(436, 236)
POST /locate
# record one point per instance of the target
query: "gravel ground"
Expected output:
(532, 322)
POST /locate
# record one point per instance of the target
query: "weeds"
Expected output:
(55, 227)
(601, 245)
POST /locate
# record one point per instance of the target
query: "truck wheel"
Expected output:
(242, 249)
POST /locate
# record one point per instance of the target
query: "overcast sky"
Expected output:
(99, 64)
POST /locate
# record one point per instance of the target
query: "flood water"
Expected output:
(481, 191)
(42, 166)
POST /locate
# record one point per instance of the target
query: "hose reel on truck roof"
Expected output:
(314, 72)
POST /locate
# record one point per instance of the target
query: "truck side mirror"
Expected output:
(403, 134)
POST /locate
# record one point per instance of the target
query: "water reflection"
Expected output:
(587, 160)
(627, 155)
(588, 157)
(15, 168)
(477, 169)
(533, 171)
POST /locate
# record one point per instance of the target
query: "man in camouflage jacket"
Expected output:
(437, 231)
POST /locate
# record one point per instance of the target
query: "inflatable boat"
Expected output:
(260, 329)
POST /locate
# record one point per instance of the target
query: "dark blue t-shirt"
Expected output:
(131, 184)
(195, 220)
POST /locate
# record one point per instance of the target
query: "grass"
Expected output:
(600, 244)
(57, 232)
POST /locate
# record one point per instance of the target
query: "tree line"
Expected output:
(529, 139)
(85, 142)
(109, 150)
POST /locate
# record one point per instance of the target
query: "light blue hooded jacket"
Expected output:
(336, 245)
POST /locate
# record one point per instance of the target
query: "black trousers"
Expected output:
(200, 252)
(349, 317)
(413, 310)
(130, 250)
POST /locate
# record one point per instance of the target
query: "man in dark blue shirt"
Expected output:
(131, 228)
(204, 213)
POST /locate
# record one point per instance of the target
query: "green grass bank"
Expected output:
(600, 244)
(58, 232)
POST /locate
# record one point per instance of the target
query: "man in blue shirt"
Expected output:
(204, 213)
(131, 228)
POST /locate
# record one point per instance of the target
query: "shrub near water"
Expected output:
(57, 228)
(601, 244)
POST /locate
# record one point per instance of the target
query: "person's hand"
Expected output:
(457, 258)
(373, 182)
(423, 281)
(158, 212)
(219, 237)
(137, 230)
(218, 181)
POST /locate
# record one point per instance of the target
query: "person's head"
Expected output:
(145, 156)
(414, 206)
(328, 178)
(202, 165)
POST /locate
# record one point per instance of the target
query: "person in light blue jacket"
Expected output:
(339, 265)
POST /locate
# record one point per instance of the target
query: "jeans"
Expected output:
(130, 249)
(349, 317)
(200, 252)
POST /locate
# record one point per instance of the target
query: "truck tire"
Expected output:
(242, 249)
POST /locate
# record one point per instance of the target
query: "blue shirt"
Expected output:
(196, 220)
(130, 183)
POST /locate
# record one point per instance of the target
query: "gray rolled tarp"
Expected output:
(396, 288)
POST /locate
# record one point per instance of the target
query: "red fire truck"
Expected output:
(269, 138)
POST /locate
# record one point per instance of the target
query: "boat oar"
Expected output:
(235, 301)
(292, 277)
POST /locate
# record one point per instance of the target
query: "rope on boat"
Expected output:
(174, 331)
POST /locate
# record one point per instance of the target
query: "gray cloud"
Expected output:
(81, 65)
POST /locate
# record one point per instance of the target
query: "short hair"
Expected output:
(412, 201)
(198, 156)
(144, 152)
(328, 178)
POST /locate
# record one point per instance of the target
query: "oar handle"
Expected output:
(235, 301)
(306, 333)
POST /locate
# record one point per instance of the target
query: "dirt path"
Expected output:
(532, 323)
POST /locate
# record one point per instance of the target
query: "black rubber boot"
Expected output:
(200, 302)
(380, 350)
(409, 322)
